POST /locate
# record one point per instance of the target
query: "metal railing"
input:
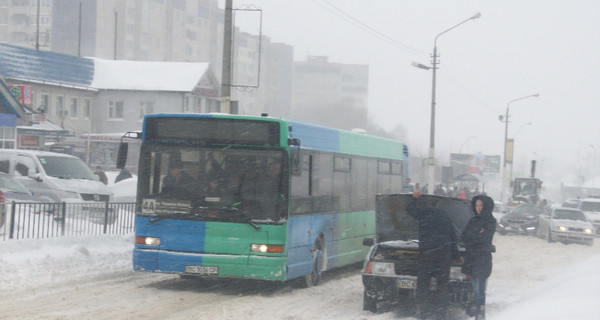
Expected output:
(23, 220)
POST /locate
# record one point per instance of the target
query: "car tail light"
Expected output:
(2, 199)
(380, 268)
(369, 268)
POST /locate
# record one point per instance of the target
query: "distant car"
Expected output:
(499, 209)
(125, 190)
(565, 225)
(13, 190)
(591, 209)
(571, 203)
(521, 219)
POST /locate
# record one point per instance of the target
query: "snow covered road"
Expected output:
(91, 278)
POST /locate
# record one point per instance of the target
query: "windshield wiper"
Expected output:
(253, 224)
(168, 216)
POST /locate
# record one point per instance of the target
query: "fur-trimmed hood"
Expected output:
(488, 203)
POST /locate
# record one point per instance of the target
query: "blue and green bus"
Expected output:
(257, 197)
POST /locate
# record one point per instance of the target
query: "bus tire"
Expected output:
(314, 277)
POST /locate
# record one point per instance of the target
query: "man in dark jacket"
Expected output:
(477, 238)
(437, 248)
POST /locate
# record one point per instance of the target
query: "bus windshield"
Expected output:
(208, 183)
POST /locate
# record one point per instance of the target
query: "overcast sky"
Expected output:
(517, 48)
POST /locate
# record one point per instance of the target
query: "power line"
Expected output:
(366, 28)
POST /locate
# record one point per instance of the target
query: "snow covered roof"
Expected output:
(145, 75)
(46, 66)
(45, 127)
(92, 73)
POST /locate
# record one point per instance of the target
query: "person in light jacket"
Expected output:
(477, 238)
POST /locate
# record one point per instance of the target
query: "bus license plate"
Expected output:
(407, 284)
(208, 270)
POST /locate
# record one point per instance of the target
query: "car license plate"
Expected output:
(406, 284)
(208, 270)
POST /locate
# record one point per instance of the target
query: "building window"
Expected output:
(74, 108)
(115, 110)
(45, 20)
(146, 108)
(60, 106)
(7, 137)
(44, 106)
(87, 108)
(20, 3)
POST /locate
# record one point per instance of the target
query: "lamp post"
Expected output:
(467, 140)
(513, 138)
(594, 168)
(506, 140)
(431, 158)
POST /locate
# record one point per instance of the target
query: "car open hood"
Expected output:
(394, 223)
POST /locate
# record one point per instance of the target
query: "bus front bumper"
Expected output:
(210, 265)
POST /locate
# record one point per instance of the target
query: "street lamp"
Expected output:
(513, 139)
(469, 138)
(594, 168)
(431, 162)
(506, 140)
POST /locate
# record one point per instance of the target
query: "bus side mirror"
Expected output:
(122, 155)
(295, 156)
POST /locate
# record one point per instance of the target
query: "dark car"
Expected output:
(389, 274)
(522, 219)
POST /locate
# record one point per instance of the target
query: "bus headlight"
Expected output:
(264, 248)
(149, 241)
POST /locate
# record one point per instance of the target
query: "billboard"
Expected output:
(23, 94)
(487, 166)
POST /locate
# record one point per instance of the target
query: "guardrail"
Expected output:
(23, 220)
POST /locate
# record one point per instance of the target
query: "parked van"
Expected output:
(54, 177)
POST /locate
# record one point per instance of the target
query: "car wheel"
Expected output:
(550, 236)
(369, 303)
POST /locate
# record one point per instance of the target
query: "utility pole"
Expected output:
(79, 33)
(226, 69)
(115, 48)
(37, 33)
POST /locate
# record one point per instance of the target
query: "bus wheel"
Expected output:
(314, 277)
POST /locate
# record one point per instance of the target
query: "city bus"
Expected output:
(255, 197)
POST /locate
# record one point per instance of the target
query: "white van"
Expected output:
(54, 177)
(591, 208)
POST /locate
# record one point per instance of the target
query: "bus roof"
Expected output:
(315, 137)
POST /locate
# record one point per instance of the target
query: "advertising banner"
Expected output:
(23, 94)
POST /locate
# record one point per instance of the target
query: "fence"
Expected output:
(20, 220)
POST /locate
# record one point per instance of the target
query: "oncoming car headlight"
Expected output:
(588, 230)
(380, 268)
(562, 228)
(149, 241)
